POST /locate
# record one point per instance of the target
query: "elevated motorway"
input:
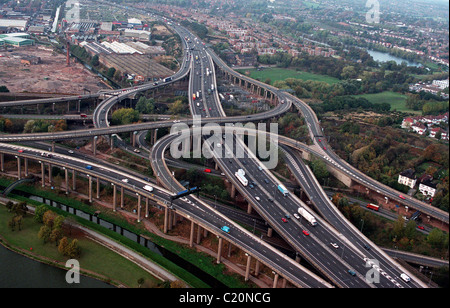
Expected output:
(212, 110)
(326, 152)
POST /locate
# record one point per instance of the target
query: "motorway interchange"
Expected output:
(336, 250)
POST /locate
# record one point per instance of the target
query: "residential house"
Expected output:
(426, 186)
(407, 178)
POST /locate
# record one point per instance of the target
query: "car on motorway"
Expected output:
(20, 151)
(270, 199)
(324, 148)
(320, 140)
(148, 188)
(305, 232)
(208, 170)
(283, 219)
(70, 152)
(225, 229)
(351, 272)
(401, 197)
(136, 151)
(366, 247)
(125, 180)
(296, 215)
(266, 180)
(421, 227)
(335, 245)
(287, 216)
(405, 277)
(258, 198)
(89, 167)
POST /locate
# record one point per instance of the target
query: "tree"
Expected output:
(39, 212)
(44, 233)
(63, 243)
(125, 116)
(436, 238)
(72, 250)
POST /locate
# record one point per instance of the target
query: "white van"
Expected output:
(148, 187)
(405, 277)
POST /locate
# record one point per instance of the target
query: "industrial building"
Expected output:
(17, 39)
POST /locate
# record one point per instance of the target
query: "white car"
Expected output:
(148, 187)
(334, 245)
(296, 216)
(257, 198)
(70, 152)
(125, 180)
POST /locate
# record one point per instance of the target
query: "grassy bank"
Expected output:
(203, 261)
(275, 74)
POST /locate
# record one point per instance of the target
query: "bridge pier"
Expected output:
(94, 145)
(90, 188)
(114, 196)
(139, 207)
(122, 197)
(74, 180)
(98, 188)
(50, 178)
(219, 250)
(43, 174)
(66, 177)
(2, 162)
(191, 235)
(275, 280)
(19, 171)
(247, 268)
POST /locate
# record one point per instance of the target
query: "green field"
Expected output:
(92, 257)
(275, 74)
(396, 100)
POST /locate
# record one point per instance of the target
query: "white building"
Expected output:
(407, 178)
(427, 188)
(442, 84)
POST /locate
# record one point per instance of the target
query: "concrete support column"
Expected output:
(50, 178)
(275, 280)
(219, 250)
(283, 284)
(257, 266)
(133, 138)
(66, 176)
(139, 208)
(74, 180)
(90, 188)
(247, 269)
(114, 196)
(53, 146)
(2, 162)
(111, 139)
(146, 207)
(199, 234)
(25, 161)
(233, 191)
(122, 197)
(269, 232)
(166, 217)
(98, 188)
(19, 171)
(43, 174)
(249, 208)
(94, 145)
(191, 236)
